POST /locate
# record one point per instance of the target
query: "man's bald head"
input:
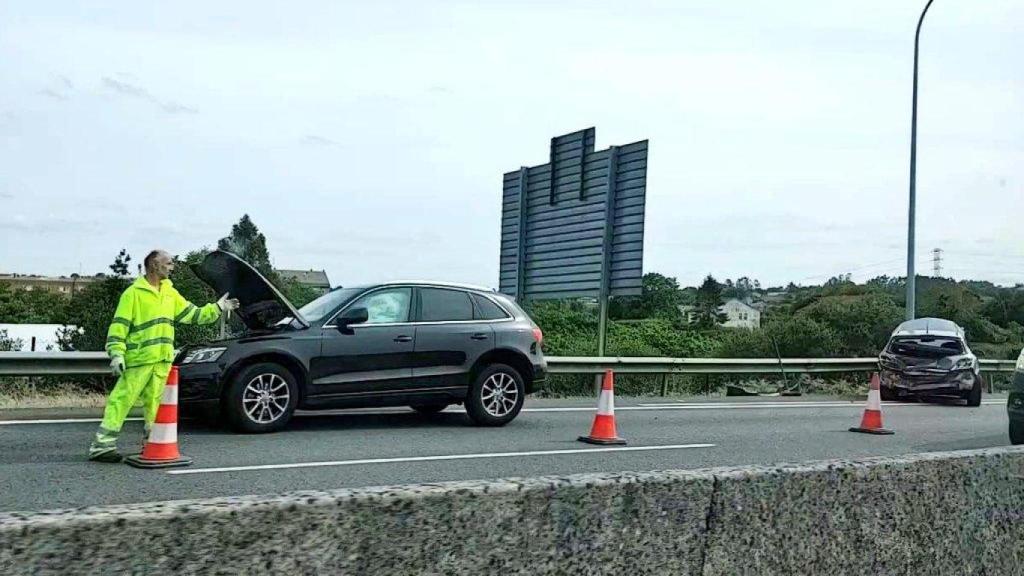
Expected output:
(159, 264)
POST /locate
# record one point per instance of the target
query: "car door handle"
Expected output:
(479, 336)
(403, 339)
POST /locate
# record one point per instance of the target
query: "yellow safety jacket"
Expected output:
(143, 326)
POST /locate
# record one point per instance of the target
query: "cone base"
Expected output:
(137, 461)
(601, 441)
(878, 431)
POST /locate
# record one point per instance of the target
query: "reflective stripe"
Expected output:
(170, 395)
(104, 442)
(163, 433)
(114, 339)
(153, 342)
(107, 432)
(195, 316)
(152, 323)
(185, 312)
(124, 321)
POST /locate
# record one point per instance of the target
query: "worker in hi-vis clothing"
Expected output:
(140, 343)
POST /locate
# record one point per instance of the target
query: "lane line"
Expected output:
(436, 458)
(641, 407)
(60, 421)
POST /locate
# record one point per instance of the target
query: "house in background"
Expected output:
(315, 279)
(738, 314)
(63, 285)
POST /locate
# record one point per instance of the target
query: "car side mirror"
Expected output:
(350, 317)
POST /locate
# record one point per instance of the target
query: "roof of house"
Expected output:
(309, 277)
(740, 302)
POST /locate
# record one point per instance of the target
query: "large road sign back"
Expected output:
(574, 227)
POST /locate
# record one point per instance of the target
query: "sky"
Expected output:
(370, 139)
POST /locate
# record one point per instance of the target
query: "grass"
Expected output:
(34, 393)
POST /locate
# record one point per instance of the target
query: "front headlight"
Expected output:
(200, 355)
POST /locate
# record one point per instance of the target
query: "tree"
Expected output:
(19, 306)
(709, 300)
(660, 298)
(862, 324)
(248, 243)
(120, 265)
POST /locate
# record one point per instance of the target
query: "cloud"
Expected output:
(59, 88)
(175, 108)
(135, 91)
(53, 94)
(319, 140)
(127, 89)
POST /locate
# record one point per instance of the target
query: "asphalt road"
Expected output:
(43, 465)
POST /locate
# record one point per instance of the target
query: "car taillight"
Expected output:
(538, 336)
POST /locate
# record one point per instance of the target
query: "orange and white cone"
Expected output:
(603, 430)
(871, 422)
(161, 449)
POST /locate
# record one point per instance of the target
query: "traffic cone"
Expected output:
(871, 422)
(603, 430)
(161, 449)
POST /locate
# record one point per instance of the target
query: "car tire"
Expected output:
(483, 408)
(244, 406)
(974, 396)
(429, 409)
(1016, 432)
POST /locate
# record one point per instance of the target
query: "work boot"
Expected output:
(107, 455)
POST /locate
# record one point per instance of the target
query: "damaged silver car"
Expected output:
(929, 357)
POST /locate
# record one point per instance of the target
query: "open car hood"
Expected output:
(261, 304)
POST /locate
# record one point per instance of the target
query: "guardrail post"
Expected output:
(664, 385)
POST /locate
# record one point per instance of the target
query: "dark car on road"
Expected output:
(1015, 403)
(929, 357)
(427, 345)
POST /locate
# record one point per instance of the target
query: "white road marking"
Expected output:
(652, 406)
(59, 421)
(437, 458)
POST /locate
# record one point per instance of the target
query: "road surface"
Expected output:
(43, 465)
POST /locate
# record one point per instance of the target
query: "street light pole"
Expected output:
(911, 278)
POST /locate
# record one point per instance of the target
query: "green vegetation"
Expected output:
(837, 319)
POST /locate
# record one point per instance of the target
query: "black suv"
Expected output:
(422, 344)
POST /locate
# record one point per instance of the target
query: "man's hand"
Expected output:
(117, 365)
(227, 304)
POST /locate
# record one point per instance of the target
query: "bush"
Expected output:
(797, 337)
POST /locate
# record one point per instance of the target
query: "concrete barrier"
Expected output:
(941, 513)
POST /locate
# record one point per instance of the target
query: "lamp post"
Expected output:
(911, 278)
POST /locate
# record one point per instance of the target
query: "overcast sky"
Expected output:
(370, 139)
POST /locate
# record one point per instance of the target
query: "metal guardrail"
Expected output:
(97, 363)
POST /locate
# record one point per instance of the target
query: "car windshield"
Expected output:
(926, 346)
(324, 305)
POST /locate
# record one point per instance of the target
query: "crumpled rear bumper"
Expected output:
(928, 382)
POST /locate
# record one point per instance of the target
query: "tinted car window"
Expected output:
(487, 310)
(386, 306)
(438, 305)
